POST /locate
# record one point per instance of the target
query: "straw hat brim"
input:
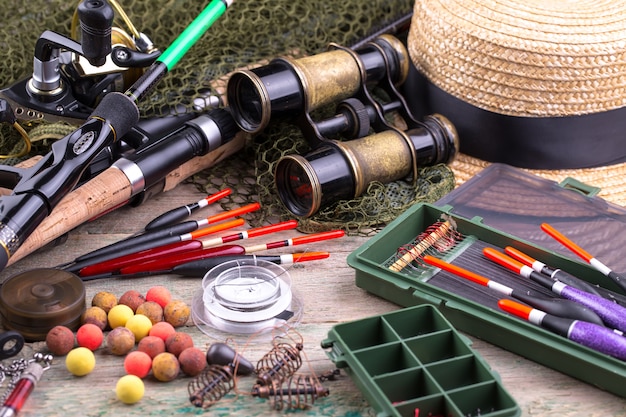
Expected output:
(611, 179)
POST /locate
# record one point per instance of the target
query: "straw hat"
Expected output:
(539, 84)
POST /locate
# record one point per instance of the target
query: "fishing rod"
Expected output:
(134, 178)
(43, 186)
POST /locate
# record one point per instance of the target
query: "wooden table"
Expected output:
(329, 295)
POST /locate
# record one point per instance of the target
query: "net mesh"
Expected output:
(248, 34)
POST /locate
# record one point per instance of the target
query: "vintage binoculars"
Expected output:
(341, 169)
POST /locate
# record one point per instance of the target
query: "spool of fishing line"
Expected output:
(245, 297)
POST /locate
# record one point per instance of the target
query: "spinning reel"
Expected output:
(72, 74)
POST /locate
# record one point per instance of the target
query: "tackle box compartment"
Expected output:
(413, 362)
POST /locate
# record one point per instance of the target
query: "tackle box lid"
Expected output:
(517, 202)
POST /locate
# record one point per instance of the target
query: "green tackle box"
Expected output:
(412, 361)
(501, 197)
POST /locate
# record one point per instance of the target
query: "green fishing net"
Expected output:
(249, 33)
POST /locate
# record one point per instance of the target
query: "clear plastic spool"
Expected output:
(244, 297)
(247, 287)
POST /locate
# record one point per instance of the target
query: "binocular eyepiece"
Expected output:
(287, 87)
(342, 170)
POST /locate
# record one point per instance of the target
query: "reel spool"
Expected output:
(35, 301)
(244, 297)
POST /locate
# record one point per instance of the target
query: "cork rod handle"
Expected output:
(107, 191)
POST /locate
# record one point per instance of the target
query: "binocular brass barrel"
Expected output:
(342, 170)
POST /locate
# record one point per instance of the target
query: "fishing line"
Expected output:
(246, 296)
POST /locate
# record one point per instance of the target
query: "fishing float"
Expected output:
(558, 307)
(168, 262)
(199, 268)
(583, 254)
(591, 335)
(300, 240)
(179, 214)
(613, 315)
(155, 238)
(554, 273)
(188, 242)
